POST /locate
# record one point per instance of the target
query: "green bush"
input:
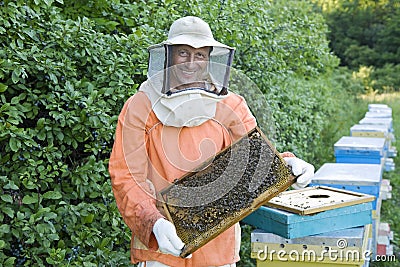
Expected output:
(62, 84)
(378, 80)
(64, 77)
(363, 32)
(343, 109)
(387, 78)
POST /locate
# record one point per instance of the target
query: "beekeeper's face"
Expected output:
(189, 66)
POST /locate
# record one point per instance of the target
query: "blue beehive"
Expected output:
(354, 149)
(354, 236)
(291, 225)
(392, 152)
(362, 178)
(389, 164)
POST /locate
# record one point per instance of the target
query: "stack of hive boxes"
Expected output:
(361, 159)
(385, 236)
(318, 235)
(358, 177)
(377, 124)
(369, 151)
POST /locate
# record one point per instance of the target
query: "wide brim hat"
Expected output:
(191, 31)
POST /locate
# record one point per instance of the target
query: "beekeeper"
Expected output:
(182, 115)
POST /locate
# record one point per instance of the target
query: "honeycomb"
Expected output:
(239, 179)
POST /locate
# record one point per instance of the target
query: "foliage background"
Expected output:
(366, 34)
(67, 67)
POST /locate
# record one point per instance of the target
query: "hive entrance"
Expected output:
(319, 196)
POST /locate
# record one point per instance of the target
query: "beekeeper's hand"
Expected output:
(303, 170)
(168, 241)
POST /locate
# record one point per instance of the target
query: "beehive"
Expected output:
(374, 114)
(238, 180)
(388, 122)
(369, 130)
(345, 247)
(357, 177)
(355, 149)
(312, 210)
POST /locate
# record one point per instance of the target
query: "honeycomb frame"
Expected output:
(197, 224)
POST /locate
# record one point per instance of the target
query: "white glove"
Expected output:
(303, 170)
(168, 241)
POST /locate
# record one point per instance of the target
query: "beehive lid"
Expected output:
(373, 114)
(311, 200)
(360, 143)
(377, 106)
(225, 189)
(355, 173)
(384, 121)
(370, 128)
(380, 109)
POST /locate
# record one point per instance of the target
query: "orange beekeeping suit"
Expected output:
(147, 156)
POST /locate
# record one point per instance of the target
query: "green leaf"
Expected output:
(40, 123)
(105, 242)
(14, 144)
(53, 237)
(60, 136)
(20, 43)
(42, 228)
(30, 200)
(15, 100)
(11, 185)
(41, 135)
(89, 264)
(10, 261)
(9, 211)
(20, 215)
(48, 2)
(7, 198)
(29, 184)
(53, 78)
(4, 228)
(15, 77)
(95, 121)
(5, 106)
(88, 219)
(3, 87)
(52, 195)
